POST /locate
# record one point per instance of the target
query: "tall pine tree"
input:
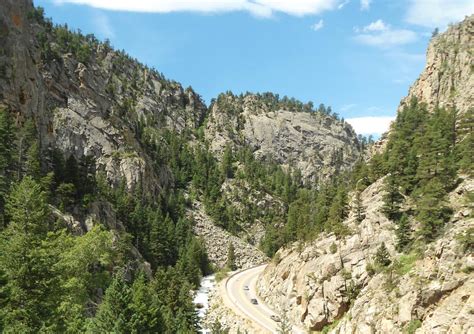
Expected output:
(26, 264)
(392, 197)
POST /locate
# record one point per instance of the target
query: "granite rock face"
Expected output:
(93, 108)
(331, 280)
(448, 77)
(315, 143)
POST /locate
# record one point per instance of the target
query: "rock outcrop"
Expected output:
(448, 77)
(332, 284)
(95, 107)
(315, 143)
(332, 281)
(310, 282)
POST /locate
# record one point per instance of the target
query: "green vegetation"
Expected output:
(271, 101)
(359, 209)
(403, 233)
(412, 326)
(331, 326)
(50, 280)
(424, 153)
(382, 256)
(231, 257)
(284, 326)
(405, 263)
(466, 240)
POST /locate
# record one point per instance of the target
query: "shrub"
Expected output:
(412, 326)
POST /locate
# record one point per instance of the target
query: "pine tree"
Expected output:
(146, 317)
(284, 327)
(402, 147)
(7, 151)
(217, 328)
(26, 265)
(465, 133)
(436, 150)
(226, 164)
(33, 163)
(161, 244)
(403, 233)
(80, 269)
(432, 212)
(189, 263)
(231, 257)
(392, 197)
(376, 167)
(338, 212)
(114, 313)
(360, 212)
(382, 256)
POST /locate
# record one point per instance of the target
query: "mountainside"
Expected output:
(405, 264)
(87, 99)
(448, 80)
(122, 189)
(333, 281)
(287, 132)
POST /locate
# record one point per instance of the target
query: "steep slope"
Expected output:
(448, 77)
(288, 132)
(87, 99)
(92, 185)
(332, 279)
(353, 284)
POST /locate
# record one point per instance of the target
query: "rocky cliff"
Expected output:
(448, 77)
(316, 143)
(332, 281)
(333, 284)
(87, 99)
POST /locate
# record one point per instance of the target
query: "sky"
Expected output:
(358, 56)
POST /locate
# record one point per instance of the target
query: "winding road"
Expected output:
(239, 300)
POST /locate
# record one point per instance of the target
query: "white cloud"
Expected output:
(264, 8)
(318, 25)
(365, 4)
(378, 25)
(382, 35)
(438, 13)
(371, 124)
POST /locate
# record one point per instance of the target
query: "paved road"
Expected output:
(240, 299)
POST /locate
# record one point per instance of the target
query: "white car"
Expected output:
(246, 287)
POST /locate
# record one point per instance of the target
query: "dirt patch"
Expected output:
(16, 20)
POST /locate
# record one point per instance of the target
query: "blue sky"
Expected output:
(359, 56)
